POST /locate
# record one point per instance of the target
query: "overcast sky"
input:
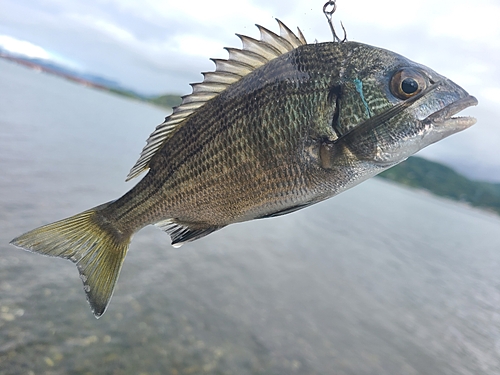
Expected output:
(160, 46)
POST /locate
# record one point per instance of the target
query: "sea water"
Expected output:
(379, 280)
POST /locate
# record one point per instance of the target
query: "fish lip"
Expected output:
(445, 115)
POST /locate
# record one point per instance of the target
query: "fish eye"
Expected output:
(406, 83)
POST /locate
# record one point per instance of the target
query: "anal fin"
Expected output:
(185, 232)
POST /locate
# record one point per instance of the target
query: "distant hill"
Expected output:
(444, 181)
(167, 100)
(87, 79)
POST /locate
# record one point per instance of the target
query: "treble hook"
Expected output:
(329, 14)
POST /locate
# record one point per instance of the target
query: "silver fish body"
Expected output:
(279, 126)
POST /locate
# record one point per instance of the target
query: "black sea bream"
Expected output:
(279, 126)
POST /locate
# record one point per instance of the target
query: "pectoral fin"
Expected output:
(285, 211)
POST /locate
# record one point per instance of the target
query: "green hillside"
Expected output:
(168, 100)
(444, 181)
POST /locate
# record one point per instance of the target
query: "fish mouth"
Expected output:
(445, 115)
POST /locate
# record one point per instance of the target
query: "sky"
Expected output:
(160, 46)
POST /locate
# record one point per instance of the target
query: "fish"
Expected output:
(279, 125)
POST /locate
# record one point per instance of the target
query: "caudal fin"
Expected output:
(90, 241)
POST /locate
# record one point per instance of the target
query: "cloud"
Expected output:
(464, 22)
(492, 94)
(23, 47)
(111, 36)
(111, 30)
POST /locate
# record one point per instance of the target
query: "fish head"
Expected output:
(390, 107)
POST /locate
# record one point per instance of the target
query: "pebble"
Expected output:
(49, 361)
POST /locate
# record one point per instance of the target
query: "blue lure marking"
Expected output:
(359, 89)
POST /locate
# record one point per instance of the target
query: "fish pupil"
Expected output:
(409, 86)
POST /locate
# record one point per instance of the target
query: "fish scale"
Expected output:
(257, 146)
(280, 125)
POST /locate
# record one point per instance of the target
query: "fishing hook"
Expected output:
(329, 14)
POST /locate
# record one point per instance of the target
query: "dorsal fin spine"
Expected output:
(268, 36)
(221, 77)
(247, 57)
(241, 62)
(301, 36)
(191, 106)
(257, 46)
(286, 33)
(232, 66)
(209, 87)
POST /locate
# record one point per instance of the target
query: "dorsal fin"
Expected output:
(240, 62)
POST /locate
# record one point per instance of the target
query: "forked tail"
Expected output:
(90, 241)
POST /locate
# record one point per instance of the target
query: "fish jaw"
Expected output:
(444, 122)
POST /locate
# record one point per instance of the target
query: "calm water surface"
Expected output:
(379, 280)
